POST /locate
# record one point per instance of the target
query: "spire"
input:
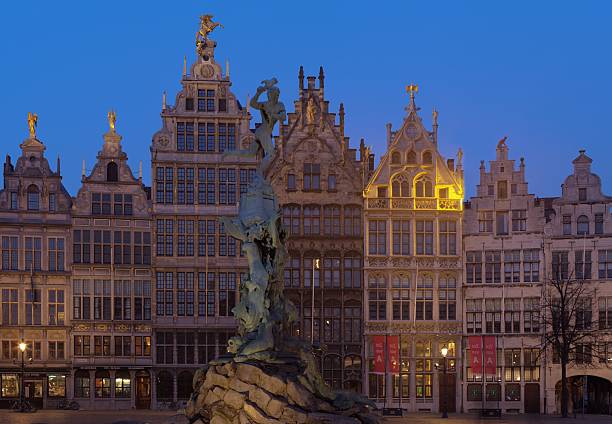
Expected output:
(301, 78)
(184, 66)
(58, 165)
(412, 89)
(164, 100)
(227, 69)
(83, 169)
(321, 77)
(341, 113)
(140, 171)
(434, 119)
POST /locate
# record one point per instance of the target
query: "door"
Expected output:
(448, 392)
(532, 398)
(143, 392)
(33, 393)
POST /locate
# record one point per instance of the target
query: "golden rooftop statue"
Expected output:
(206, 27)
(32, 121)
(112, 118)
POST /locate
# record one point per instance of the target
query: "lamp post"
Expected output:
(444, 352)
(315, 264)
(22, 348)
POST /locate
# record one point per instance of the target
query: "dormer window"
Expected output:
(396, 158)
(112, 172)
(502, 189)
(206, 100)
(33, 198)
(52, 202)
(411, 158)
(427, 160)
(189, 104)
(423, 187)
(582, 194)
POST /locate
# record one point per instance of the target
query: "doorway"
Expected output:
(143, 390)
(448, 389)
(532, 398)
(33, 393)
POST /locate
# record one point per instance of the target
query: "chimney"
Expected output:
(389, 134)
(301, 78)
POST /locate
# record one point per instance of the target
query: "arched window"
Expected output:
(184, 385)
(332, 371)
(81, 384)
(583, 225)
(423, 187)
(400, 186)
(396, 158)
(33, 198)
(103, 384)
(123, 384)
(112, 172)
(411, 158)
(164, 386)
(427, 158)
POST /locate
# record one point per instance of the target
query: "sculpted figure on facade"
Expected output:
(206, 27)
(32, 122)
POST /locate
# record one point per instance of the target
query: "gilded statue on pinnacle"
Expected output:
(32, 121)
(206, 27)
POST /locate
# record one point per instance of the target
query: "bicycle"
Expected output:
(68, 405)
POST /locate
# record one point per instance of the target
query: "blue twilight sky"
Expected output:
(537, 71)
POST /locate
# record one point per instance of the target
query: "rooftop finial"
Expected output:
(435, 116)
(32, 122)
(164, 100)
(184, 66)
(412, 89)
(321, 77)
(301, 77)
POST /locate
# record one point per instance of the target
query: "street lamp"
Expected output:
(22, 348)
(315, 265)
(444, 352)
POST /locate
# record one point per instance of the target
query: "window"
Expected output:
(512, 367)
(123, 346)
(599, 223)
(52, 202)
(142, 248)
(332, 323)
(33, 306)
(227, 137)
(560, 265)
(400, 297)
(502, 189)
(352, 323)
(123, 301)
(102, 300)
(185, 347)
(14, 202)
(401, 237)
(291, 182)
(352, 221)
(501, 223)
(531, 265)
(206, 186)
(447, 298)
(222, 105)
(567, 225)
(424, 237)
(164, 347)
(377, 237)
(227, 244)
(605, 312)
(82, 345)
(185, 238)
(142, 300)
(490, 190)
(122, 384)
(381, 192)
(292, 271)
(448, 237)
(142, 345)
(411, 157)
(56, 385)
(512, 266)
(332, 371)
(582, 264)
(81, 299)
(33, 253)
(331, 271)
(312, 176)
(102, 247)
(10, 253)
(81, 384)
(605, 264)
(584, 314)
(331, 220)
(423, 376)
(427, 160)
(112, 172)
(164, 181)
(584, 353)
(103, 389)
(424, 299)
(423, 187)
(102, 345)
(122, 248)
(184, 293)
(206, 237)
(56, 351)
(56, 306)
(474, 316)
(352, 270)
(227, 186)
(531, 364)
(396, 158)
(331, 182)
(165, 237)
(312, 220)
(485, 221)
(531, 315)
(582, 225)
(185, 136)
(227, 293)
(164, 293)
(519, 220)
(81, 247)
(189, 105)
(206, 100)
(206, 137)
(308, 275)
(33, 198)
(9, 350)
(582, 194)
(513, 188)
(473, 265)
(10, 306)
(512, 315)
(400, 187)
(291, 219)
(377, 298)
(493, 267)
(56, 253)
(493, 315)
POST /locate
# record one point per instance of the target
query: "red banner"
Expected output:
(490, 355)
(378, 344)
(393, 348)
(475, 346)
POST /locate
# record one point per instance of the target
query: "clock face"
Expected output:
(411, 131)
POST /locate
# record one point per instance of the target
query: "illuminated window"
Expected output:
(423, 187)
(400, 187)
(423, 376)
(103, 384)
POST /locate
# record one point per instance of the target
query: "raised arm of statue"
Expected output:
(254, 103)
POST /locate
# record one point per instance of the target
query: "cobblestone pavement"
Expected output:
(169, 417)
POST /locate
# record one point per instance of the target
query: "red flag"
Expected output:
(475, 345)
(392, 346)
(378, 343)
(490, 355)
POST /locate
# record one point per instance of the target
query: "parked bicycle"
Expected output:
(68, 404)
(22, 406)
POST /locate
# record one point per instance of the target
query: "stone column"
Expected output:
(153, 381)
(174, 386)
(133, 388)
(113, 373)
(92, 387)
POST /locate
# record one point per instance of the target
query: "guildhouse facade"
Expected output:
(413, 205)
(111, 284)
(34, 278)
(319, 182)
(503, 250)
(197, 266)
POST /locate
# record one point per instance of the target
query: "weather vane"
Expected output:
(412, 88)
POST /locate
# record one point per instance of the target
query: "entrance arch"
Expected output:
(590, 393)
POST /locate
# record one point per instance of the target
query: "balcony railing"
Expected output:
(411, 203)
